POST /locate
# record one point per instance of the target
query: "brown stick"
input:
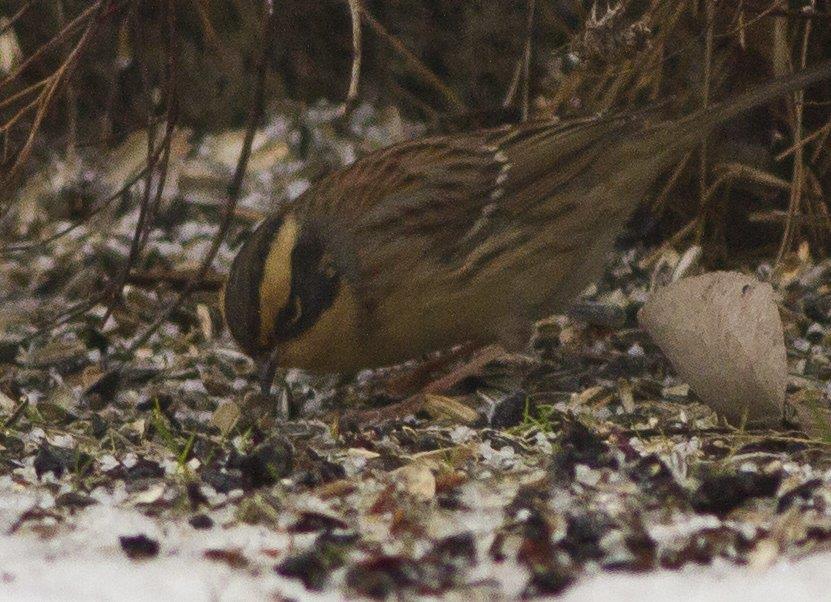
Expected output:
(355, 10)
(415, 63)
(798, 166)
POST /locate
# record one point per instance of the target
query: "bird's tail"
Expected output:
(689, 130)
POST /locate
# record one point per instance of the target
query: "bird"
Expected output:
(469, 237)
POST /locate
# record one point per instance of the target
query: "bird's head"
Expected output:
(286, 295)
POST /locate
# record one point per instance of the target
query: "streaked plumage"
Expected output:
(441, 240)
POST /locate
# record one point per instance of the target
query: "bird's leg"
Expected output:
(413, 403)
(268, 367)
(413, 380)
(482, 358)
(289, 408)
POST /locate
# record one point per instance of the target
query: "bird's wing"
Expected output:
(445, 190)
(452, 210)
(451, 205)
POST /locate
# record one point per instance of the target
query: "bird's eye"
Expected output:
(296, 311)
(327, 268)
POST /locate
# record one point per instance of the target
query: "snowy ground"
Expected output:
(84, 562)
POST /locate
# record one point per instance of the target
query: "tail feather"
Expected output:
(689, 130)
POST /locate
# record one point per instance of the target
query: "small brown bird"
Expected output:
(447, 239)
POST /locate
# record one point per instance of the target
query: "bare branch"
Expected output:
(234, 188)
(355, 9)
(148, 207)
(47, 96)
(16, 16)
(414, 63)
(798, 179)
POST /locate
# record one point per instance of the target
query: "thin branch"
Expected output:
(660, 199)
(13, 98)
(84, 18)
(526, 63)
(16, 16)
(44, 101)
(414, 63)
(778, 216)
(798, 14)
(234, 188)
(212, 282)
(798, 178)
(514, 85)
(148, 207)
(705, 100)
(69, 314)
(355, 10)
(71, 101)
(742, 30)
(751, 174)
(805, 140)
(823, 139)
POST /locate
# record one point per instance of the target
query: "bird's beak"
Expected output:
(268, 366)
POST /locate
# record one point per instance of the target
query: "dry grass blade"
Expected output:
(522, 72)
(660, 201)
(526, 62)
(44, 101)
(355, 10)
(780, 217)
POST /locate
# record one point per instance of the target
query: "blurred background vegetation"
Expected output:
(80, 77)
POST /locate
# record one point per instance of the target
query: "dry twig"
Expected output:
(418, 67)
(355, 10)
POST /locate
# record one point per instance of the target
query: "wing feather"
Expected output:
(451, 210)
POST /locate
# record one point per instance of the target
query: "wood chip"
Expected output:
(448, 408)
(417, 480)
(205, 321)
(225, 417)
(626, 394)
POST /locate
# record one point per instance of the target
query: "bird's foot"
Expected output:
(411, 405)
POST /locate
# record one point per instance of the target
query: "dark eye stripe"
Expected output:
(242, 292)
(314, 287)
(295, 307)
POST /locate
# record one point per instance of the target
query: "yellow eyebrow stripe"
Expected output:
(275, 284)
